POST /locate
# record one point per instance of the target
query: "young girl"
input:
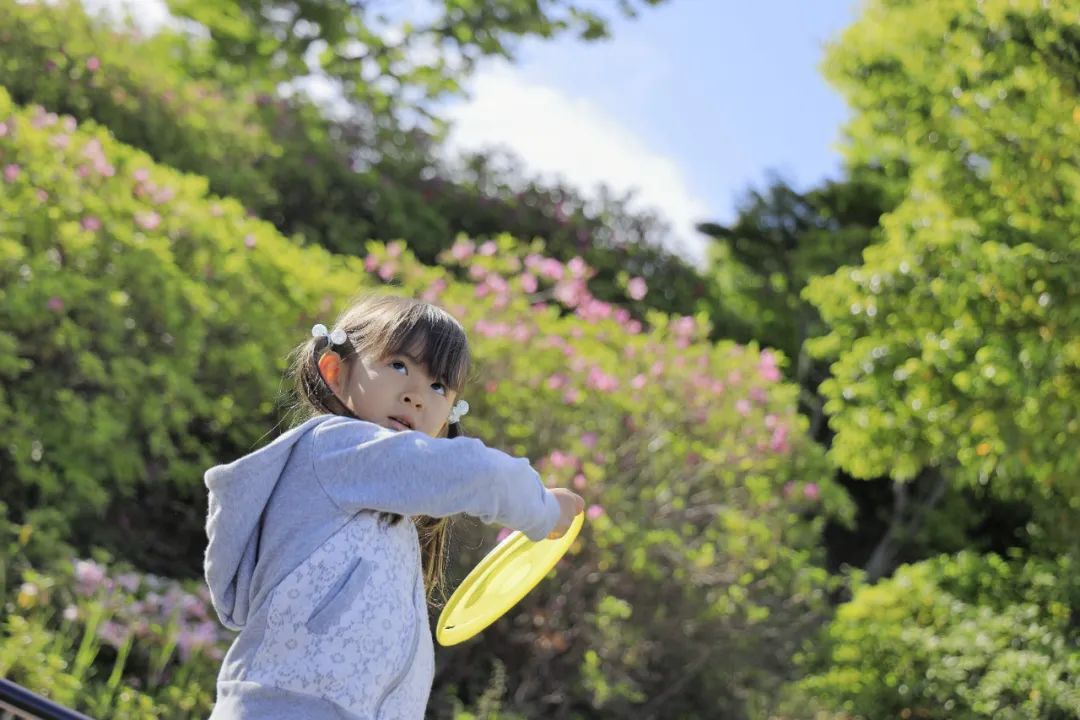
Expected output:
(322, 542)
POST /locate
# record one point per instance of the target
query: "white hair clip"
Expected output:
(338, 337)
(460, 409)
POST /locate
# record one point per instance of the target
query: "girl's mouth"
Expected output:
(400, 423)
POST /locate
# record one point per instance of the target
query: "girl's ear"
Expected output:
(330, 367)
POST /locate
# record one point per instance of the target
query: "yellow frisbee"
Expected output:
(499, 581)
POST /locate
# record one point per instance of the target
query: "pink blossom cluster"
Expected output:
(162, 601)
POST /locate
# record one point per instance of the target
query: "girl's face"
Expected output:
(395, 392)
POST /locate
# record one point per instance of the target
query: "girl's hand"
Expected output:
(570, 506)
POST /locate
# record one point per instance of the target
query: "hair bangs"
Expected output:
(431, 338)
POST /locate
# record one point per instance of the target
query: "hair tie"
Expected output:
(337, 337)
(460, 409)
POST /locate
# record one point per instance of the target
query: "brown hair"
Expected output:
(380, 326)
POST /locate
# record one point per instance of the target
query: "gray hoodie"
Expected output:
(328, 599)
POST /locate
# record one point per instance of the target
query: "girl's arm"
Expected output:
(363, 466)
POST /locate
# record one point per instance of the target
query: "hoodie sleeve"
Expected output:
(362, 466)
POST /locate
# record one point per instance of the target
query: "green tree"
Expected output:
(416, 59)
(781, 239)
(955, 345)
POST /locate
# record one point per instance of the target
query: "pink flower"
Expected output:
(599, 380)
(93, 64)
(434, 290)
(91, 223)
(633, 327)
(370, 263)
(528, 282)
(249, 241)
(638, 382)
(742, 407)
(487, 248)
(684, 326)
(88, 576)
(551, 268)
(594, 512)
(637, 288)
(571, 396)
(11, 172)
(387, 271)
(556, 381)
(577, 267)
(811, 491)
(588, 439)
(778, 441)
(462, 250)
(559, 459)
(147, 220)
(571, 293)
(113, 633)
(580, 482)
(55, 304)
(767, 366)
(490, 329)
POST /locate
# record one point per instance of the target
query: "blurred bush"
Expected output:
(957, 637)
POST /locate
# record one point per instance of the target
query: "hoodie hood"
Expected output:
(239, 493)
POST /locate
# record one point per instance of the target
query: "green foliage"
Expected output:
(781, 239)
(130, 331)
(420, 57)
(105, 640)
(959, 637)
(57, 57)
(956, 343)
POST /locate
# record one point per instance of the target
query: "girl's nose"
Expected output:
(412, 399)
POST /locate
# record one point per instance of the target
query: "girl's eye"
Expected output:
(439, 388)
(398, 365)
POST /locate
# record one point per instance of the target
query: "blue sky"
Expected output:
(693, 102)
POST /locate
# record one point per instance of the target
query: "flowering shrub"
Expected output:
(285, 162)
(137, 314)
(146, 325)
(57, 57)
(705, 497)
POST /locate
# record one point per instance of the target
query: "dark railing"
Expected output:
(18, 702)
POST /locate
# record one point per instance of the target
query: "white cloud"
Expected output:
(148, 15)
(558, 135)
